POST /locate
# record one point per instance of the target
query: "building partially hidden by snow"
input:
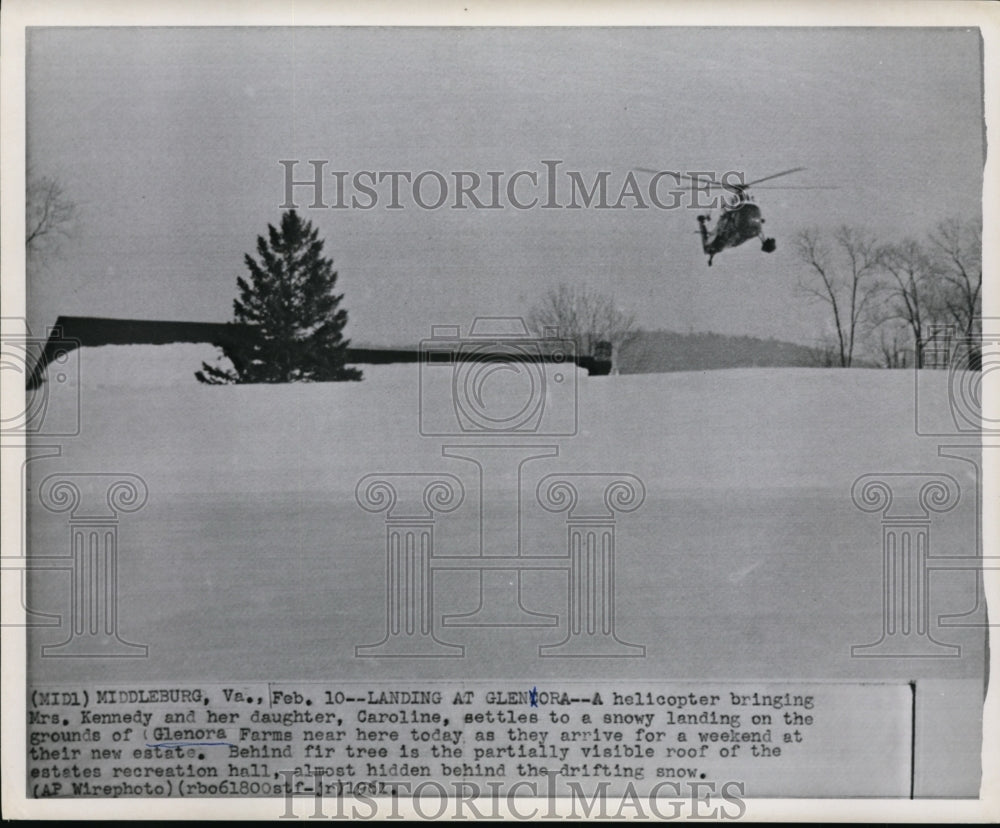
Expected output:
(72, 332)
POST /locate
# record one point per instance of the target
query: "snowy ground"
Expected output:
(252, 559)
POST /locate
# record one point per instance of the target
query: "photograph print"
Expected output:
(586, 416)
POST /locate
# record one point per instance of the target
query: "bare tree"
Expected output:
(585, 316)
(842, 273)
(911, 290)
(824, 354)
(957, 247)
(50, 215)
(892, 340)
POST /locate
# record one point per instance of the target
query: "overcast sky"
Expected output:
(170, 142)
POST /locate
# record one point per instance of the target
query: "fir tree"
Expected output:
(293, 317)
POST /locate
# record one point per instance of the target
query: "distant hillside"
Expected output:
(659, 351)
(655, 352)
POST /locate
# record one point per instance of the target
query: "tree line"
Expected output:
(885, 301)
(888, 300)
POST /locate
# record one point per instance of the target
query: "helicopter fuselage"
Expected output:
(737, 224)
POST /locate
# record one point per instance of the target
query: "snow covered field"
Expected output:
(252, 559)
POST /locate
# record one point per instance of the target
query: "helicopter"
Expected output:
(741, 219)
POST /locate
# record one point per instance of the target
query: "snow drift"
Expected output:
(141, 409)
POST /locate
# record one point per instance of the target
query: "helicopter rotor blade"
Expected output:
(798, 187)
(776, 175)
(703, 182)
(736, 188)
(708, 182)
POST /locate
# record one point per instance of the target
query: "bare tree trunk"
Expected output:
(842, 277)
